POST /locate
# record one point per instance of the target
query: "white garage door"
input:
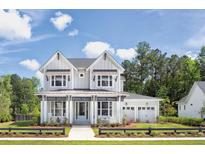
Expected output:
(146, 114)
(129, 113)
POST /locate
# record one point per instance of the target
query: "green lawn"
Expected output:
(23, 124)
(26, 123)
(151, 125)
(159, 125)
(178, 142)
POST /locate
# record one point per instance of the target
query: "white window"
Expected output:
(58, 80)
(104, 81)
(81, 75)
(104, 108)
(57, 108)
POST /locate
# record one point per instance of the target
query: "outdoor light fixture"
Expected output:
(46, 78)
(116, 79)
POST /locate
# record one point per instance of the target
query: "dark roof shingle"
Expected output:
(81, 62)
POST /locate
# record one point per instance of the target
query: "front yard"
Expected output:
(177, 142)
(28, 124)
(131, 133)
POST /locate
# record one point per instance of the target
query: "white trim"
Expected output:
(52, 57)
(101, 81)
(111, 58)
(62, 79)
(79, 73)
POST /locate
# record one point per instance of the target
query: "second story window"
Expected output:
(58, 80)
(104, 81)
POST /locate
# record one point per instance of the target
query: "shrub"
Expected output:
(182, 120)
(35, 120)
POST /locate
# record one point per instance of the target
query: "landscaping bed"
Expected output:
(26, 129)
(154, 133)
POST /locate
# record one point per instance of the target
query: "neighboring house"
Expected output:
(85, 91)
(192, 104)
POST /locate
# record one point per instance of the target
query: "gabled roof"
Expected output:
(53, 56)
(201, 85)
(81, 62)
(182, 100)
(110, 56)
(137, 96)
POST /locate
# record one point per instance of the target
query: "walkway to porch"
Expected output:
(81, 132)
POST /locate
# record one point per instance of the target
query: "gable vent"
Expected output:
(105, 56)
(58, 56)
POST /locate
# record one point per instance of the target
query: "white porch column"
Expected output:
(45, 110)
(71, 111)
(96, 110)
(119, 109)
(42, 102)
(91, 111)
(67, 108)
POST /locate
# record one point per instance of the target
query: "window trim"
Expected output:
(52, 108)
(64, 78)
(109, 109)
(109, 80)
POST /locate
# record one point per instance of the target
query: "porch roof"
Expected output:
(81, 92)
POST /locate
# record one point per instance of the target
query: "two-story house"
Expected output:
(83, 91)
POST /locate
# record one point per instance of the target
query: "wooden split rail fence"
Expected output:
(149, 130)
(33, 130)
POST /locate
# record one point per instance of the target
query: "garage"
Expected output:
(129, 113)
(140, 108)
(146, 114)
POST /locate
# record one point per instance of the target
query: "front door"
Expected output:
(81, 111)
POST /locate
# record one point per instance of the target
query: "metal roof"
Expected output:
(81, 62)
(201, 85)
(137, 96)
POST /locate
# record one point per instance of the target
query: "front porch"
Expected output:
(80, 109)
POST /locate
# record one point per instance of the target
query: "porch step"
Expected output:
(81, 132)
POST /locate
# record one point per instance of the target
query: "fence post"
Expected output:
(149, 130)
(99, 131)
(63, 130)
(40, 131)
(9, 129)
(200, 129)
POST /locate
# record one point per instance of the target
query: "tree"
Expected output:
(141, 64)
(5, 98)
(201, 61)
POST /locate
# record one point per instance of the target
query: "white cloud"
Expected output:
(126, 54)
(31, 64)
(61, 21)
(198, 40)
(191, 55)
(73, 32)
(14, 26)
(94, 49)
(32, 39)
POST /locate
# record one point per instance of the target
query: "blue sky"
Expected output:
(29, 37)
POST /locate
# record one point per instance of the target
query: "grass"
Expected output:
(159, 125)
(147, 125)
(168, 142)
(13, 124)
(25, 124)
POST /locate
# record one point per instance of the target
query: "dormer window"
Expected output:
(58, 80)
(104, 81)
